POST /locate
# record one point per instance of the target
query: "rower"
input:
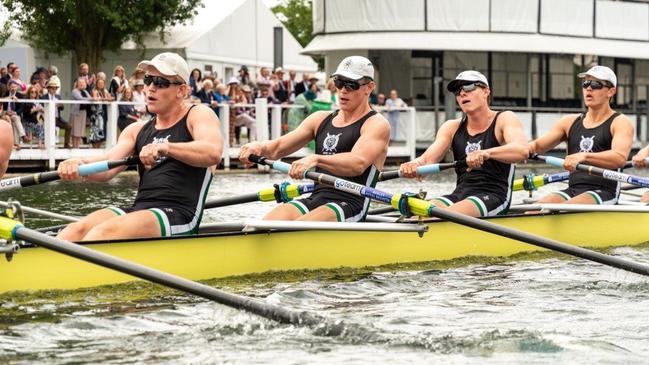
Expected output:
(490, 141)
(600, 137)
(351, 143)
(176, 147)
(6, 144)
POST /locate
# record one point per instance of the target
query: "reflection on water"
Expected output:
(539, 308)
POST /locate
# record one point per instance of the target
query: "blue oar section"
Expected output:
(597, 171)
(423, 170)
(84, 170)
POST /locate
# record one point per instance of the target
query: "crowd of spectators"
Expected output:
(87, 121)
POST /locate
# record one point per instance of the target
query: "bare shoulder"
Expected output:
(314, 120)
(5, 128)
(377, 121)
(622, 120)
(509, 116)
(200, 113)
(450, 125)
(132, 130)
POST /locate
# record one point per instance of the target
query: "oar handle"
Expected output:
(598, 171)
(423, 170)
(558, 162)
(84, 170)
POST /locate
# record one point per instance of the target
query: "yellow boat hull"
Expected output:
(222, 255)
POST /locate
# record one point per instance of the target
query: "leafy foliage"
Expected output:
(88, 27)
(296, 17)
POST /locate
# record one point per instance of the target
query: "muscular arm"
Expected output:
(370, 148)
(622, 131)
(206, 148)
(557, 134)
(513, 148)
(288, 143)
(6, 143)
(435, 152)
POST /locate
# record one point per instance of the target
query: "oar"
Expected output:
(597, 171)
(13, 230)
(265, 195)
(84, 170)
(423, 170)
(533, 182)
(427, 209)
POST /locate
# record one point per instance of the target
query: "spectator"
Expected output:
(98, 113)
(127, 113)
(304, 85)
(33, 118)
(391, 106)
(15, 77)
(195, 81)
(291, 83)
(245, 115)
(53, 71)
(244, 76)
(331, 86)
(280, 87)
(220, 97)
(118, 83)
(11, 113)
(53, 86)
(236, 97)
(264, 74)
(305, 101)
(5, 78)
(139, 96)
(79, 112)
(138, 74)
(204, 95)
(380, 100)
(3, 72)
(84, 73)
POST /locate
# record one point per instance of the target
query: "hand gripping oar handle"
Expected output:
(84, 170)
(423, 170)
(597, 171)
(427, 209)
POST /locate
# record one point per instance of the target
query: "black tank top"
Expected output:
(598, 139)
(330, 140)
(494, 176)
(170, 183)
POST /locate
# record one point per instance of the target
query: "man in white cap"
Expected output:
(491, 143)
(600, 137)
(351, 143)
(176, 148)
(53, 85)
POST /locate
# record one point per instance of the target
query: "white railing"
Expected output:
(51, 153)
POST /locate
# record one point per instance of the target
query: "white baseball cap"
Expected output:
(601, 73)
(467, 76)
(168, 64)
(355, 68)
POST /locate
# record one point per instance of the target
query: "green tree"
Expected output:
(296, 15)
(89, 27)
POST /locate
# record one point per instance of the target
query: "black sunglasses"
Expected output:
(348, 84)
(467, 88)
(594, 84)
(159, 81)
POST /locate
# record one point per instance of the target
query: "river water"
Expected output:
(540, 308)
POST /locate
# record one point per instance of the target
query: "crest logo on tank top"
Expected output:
(157, 140)
(472, 147)
(586, 144)
(329, 144)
